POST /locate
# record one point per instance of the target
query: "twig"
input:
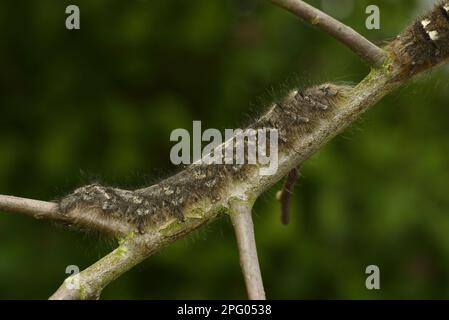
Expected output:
(348, 36)
(286, 194)
(49, 211)
(244, 231)
(34, 208)
(89, 283)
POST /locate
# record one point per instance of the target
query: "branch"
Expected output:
(50, 211)
(244, 231)
(34, 208)
(133, 249)
(286, 193)
(88, 284)
(348, 36)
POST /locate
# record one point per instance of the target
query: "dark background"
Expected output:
(99, 104)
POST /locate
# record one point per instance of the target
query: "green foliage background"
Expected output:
(100, 103)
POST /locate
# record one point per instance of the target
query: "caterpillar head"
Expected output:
(425, 43)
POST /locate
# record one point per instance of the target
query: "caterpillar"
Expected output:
(300, 111)
(296, 114)
(425, 43)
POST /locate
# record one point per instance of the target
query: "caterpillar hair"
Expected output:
(425, 43)
(295, 115)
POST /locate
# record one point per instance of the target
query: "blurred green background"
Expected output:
(99, 104)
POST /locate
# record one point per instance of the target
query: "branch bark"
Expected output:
(50, 211)
(88, 284)
(34, 208)
(246, 242)
(346, 35)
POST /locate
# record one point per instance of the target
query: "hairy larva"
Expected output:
(295, 115)
(426, 42)
(299, 112)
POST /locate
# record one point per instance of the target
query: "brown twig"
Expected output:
(49, 211)
(34, 208)
(286, 195)
(348, 36)
(244, 231)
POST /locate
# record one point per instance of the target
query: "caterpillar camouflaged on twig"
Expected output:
(421, 46)
(294, 116)
(425, 43)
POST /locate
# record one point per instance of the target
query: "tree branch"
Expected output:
(244, 231)
(88, 284)
(50, 211)
(348, 36)
(34, 208)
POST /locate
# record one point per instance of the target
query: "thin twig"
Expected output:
(286, 195)
(49, 211)
(244, 231)
(34, 208)
(348, 36)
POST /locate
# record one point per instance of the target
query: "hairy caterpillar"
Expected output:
(425, 43)
(295, 115)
